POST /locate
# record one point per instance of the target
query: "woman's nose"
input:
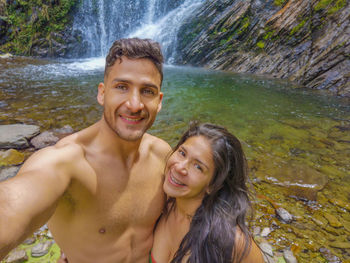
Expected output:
(181, 167)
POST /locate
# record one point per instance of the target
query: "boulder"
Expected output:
(265, 232)
(63, 132)
(9, 172)
(289, 256)
(41, 249)
(11, 157)
(17, 256)
(44, 139)
(17, 135)
(266, 248)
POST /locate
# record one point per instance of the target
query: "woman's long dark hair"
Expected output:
(211, 238)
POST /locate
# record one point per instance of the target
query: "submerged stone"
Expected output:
(340, 203)
(340, 244)
(329, 256)
(319, 220)
(284, 215)
(17, 135)
(297, 179)
(333, 221)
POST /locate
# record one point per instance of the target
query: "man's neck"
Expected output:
(110, 143)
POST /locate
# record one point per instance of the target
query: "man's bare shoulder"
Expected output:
(158, 146)
(62, 154)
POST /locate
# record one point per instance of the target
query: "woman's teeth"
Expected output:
(176, 181)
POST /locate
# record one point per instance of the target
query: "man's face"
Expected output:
(131, 97)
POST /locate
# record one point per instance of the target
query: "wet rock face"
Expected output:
(306, 41)
(298, 179)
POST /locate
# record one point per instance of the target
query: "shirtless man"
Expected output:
(100, 188)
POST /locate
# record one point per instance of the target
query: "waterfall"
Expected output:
(99, 22)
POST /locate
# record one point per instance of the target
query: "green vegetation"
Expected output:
(33, 22)
(269, 34)
(260, 44)
(237, 29)
(332, 5)
(298, 27)
(279, 2)
(244, 25)
(337, 6)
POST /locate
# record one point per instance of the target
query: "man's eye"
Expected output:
(121, 87)
(148, 91)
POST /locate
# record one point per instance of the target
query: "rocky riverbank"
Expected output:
(312, 226)
(17, 143)
(305, 41)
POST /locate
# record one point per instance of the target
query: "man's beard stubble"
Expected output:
(131, 136)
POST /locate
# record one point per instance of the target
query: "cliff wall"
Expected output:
(305, 41)
(36, 27)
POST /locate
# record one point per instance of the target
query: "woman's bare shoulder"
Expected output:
(253, 254)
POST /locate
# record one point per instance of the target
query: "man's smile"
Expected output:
(131, 119)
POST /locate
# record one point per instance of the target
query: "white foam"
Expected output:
(90, 64)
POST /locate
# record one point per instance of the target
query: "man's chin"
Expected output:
(130, 135)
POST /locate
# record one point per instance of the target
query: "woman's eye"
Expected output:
(181, 152)
(198, 167)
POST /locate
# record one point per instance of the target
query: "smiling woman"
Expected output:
(204, 219)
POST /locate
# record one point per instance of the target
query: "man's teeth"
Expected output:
(176, 181)
(129, 119)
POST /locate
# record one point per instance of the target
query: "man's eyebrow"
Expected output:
(121, 80)
(150, 85)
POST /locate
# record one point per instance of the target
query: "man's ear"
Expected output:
(160, 102)
(101, 94)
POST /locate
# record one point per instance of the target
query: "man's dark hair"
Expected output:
(135, 48)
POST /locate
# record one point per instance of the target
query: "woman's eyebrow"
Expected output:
(202, 163)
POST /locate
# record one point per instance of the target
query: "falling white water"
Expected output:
(99, 22)
(164, 30)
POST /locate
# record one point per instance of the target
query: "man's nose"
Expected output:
(134, 102)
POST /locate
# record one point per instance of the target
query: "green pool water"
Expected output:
(280, 125)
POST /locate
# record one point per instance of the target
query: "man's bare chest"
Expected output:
(117, 197)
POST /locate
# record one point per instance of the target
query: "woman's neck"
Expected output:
(187, 207)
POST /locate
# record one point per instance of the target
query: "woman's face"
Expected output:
(189, 169)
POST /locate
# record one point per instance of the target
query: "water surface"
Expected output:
(279, 124)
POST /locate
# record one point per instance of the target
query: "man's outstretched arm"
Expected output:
(29, 199)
